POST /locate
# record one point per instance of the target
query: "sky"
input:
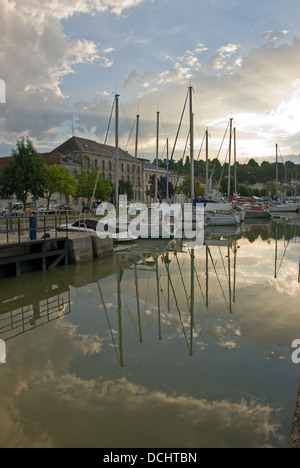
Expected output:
(63, 61)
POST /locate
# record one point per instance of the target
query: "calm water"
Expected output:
(156, 347)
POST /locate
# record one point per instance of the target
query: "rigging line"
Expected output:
(213, 263)
(223, 168)
(198, 280)
(109, 122)
(219, 152)
(177, 306)
(183, 283)
(162, 124)
(173, 150)
(181, 164)
(201, 147)
(283, 256)
(223, 262)
(130, 135)
(129, 313)
(111, 332)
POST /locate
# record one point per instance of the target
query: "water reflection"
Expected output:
(162, 347)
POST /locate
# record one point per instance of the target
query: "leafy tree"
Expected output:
(126, 188)
(25, 173)
(160, 185)
(224, 185)
(245, 191)
(270, 189)
(185, 187)
(58, 180)
(86, 182)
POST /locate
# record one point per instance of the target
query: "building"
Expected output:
(80, 153)
(77, 154)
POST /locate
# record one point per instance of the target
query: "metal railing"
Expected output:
(19, 229)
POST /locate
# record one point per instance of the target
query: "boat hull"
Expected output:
(284, 209)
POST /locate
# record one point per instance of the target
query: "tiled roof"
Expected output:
(51, 158)
(83, 145)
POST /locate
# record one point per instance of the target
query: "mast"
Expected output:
(192, 307)
(276, 170)
(117, 151)
(119, 295)
(138, 303)
(207, 190)
(235, 178)
(167, 168)
(192, 143)
(158, 297)
(229, 168)
(157, 145)
(136, 152)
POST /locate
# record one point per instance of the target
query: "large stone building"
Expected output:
(77, 154)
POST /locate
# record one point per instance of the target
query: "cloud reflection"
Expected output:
(44, 404)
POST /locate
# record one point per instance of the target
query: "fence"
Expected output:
(17, 229)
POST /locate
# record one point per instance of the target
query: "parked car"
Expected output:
(18, 209)
(44, 209)
(91, 207)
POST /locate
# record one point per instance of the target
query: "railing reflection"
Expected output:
(24, 319)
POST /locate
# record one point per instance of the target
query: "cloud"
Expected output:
(44, 404)
(274, 35)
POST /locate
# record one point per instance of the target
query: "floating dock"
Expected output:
(45, 254)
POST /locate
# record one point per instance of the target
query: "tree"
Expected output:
(86, 182)
(58, 180)
(126, 188)
(185, 187)
(25, 174)
(270, 189)
(160, 186)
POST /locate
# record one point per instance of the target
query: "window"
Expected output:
(138, 170)
(128, 169)
(122, 167)
(109, 165)
(128, 178)
(96, 163)
(103, 165)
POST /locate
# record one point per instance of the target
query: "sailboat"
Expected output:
(282, 206)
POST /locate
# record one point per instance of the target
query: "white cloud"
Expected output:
(274, 35)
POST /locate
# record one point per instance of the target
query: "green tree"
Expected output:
(58, 180)
(25, 174)
(270, 189)
(86, 185)
(126, 188)
(185, 187)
